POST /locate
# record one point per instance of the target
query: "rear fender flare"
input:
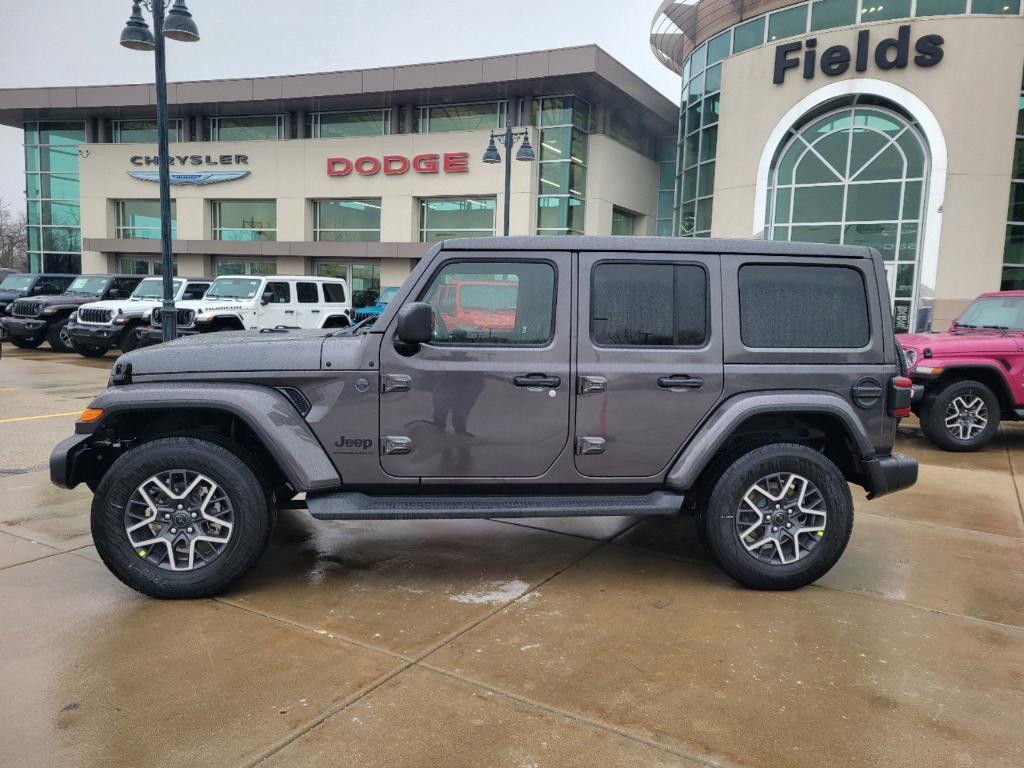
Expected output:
(712, 436)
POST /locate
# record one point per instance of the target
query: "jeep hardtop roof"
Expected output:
(654, 245)
(304, 278)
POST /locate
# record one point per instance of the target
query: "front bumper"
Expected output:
(151, 335)
(887, 474)
(62, 461)
(96, 335)
(25, 327)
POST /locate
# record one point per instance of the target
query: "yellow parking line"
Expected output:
(44, 416)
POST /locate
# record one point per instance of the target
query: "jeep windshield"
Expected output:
(233, 288)
(17, 283)
(88, 286)
(153, 288)
(1001, 313)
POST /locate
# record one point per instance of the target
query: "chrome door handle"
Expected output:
(537, 380)
(680, 382)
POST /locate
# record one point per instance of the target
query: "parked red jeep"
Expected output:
(969, 378)
(478, 305)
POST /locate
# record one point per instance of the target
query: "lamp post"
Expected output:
(508, 139)
(178, 25)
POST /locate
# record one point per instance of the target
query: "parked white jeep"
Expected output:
(238, 302)
(99, 326)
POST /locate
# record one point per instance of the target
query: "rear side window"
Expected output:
(649, 305)
(306, 293)
(334, 293)
(802, 307)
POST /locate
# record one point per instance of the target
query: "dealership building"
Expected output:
(897, 124)
(351, 173)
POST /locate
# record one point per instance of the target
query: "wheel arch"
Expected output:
(985, 373)
(820, 419)
(259, 419)
(232, 321)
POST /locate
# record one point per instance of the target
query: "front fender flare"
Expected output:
(716, 430)
(268, 413)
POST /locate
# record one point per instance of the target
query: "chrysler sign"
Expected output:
(396, 165)
(198, 176)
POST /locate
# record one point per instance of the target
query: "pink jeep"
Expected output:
(970, 377)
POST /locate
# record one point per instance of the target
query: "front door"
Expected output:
(649, 359)
(489, 396)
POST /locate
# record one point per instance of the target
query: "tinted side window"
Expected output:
(334, 293)
(125, 285)
(801, 307)
(307, 293)
(282, 293)
(649, 305)
(195, 290)
(490, 302)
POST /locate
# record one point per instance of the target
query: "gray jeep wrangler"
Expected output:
(746, 382)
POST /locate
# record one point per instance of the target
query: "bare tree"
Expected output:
(13, 234)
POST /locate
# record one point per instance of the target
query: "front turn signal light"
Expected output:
(90, 415)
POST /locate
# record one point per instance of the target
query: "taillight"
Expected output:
(901, 393)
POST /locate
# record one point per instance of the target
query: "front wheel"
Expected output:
(88, 350)
(129, 339)
(22, 342)
(58, 336)
(779, 517)
(961, 416)
(180, 517)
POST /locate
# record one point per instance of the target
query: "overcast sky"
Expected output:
(75, 42)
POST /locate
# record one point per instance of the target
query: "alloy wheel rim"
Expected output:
(966, 416)
(179, 520)
(781, 518)
(65, 337)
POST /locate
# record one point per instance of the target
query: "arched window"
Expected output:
(855, 173)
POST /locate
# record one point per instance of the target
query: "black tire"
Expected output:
(936, 410)
(246, 494)
(720, 518)
(88, 350)
(57, 336)
(23, 343)
(129, 339)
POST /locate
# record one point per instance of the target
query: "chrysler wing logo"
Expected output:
(196, 179)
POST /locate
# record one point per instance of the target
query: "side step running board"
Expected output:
(347, 505)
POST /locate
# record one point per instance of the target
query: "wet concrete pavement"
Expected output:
(493, 643)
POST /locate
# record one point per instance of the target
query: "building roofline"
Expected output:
(586, 60)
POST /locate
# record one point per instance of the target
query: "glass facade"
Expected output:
(698, 132)
(244, 219)
(347, 220)
(665, 155)
(855, 175)
(363, 278)
(1013, 249)
(52, 191)
(444, 217)
(369, 122)
(255, 128)
(144, 131)
(564, 125)
(141, 219)
(623, 222)
(244, 267)
(128, 264)
(440, 118)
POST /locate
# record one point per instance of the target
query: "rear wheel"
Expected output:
(23, 343)
(58, 337)
(88, 350)
(180, 517)
(779, 517)
(961, 416)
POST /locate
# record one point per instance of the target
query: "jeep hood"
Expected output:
(962, 342)
(9, 296)
(243, 352)
(66, 300)
(130, 307)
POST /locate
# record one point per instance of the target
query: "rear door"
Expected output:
(649, 356)
(308, 296)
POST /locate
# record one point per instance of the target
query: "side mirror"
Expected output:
(114, 293)
(415, 323)
(267, 297)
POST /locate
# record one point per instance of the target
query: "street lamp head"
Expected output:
(491, 155)
(525, 152)
(136, 34)
(179, 24)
